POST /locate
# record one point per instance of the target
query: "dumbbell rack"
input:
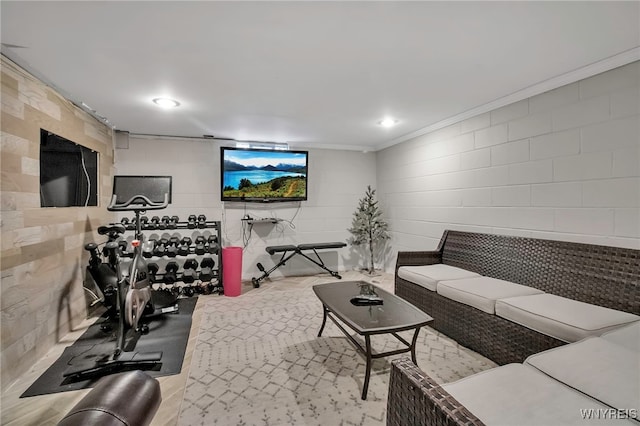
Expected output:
(198, 281)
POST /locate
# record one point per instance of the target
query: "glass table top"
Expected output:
(394, 314)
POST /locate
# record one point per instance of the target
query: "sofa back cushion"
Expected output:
(565, 319)
(600, 275)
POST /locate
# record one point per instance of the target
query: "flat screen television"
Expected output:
(68, 172)
(153, 187)
(263, 175)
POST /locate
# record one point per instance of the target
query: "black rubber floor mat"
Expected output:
(168, 334)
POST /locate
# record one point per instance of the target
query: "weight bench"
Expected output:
(288, 251)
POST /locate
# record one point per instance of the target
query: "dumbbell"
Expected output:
(206, 288)
(129, 225)
(203, 288)
(144, 222)
(122, 246)
(148, 248)
(188, 291)
(173, 222)
(161, 247)
(212, 244)
(172, 247)
(213, 288)
(200, 242)
(206, 273)
(165, 222)
(185, 245)
(153, 271)
(191, 222)
(202, 221)
(153, 224)
(158, 222)
(189, 273)
(171, 272)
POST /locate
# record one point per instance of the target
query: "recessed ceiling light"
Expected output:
(166, 102)
(388, 122)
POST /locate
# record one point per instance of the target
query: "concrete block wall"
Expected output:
(42, 258)
(337, 180)
(564, 165)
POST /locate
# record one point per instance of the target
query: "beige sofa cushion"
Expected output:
(603, 370)
(627, 336)
(565, 319)
(428, 276)
(482, 292)
(516, 394)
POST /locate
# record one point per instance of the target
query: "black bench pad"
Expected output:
(320, 246)
(301, 247)
(279, 249)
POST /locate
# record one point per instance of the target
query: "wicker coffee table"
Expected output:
(391, 317)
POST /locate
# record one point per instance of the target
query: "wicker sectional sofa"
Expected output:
(571, 278)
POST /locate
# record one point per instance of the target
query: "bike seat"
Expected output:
(104, 230)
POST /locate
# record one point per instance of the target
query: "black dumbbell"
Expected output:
(212, 244)
(122, 246)
(144, 223)
(173, 222)
(171, 273)
(185, 245)
(132, 224)
(153, 224)
(165, 222)
(127, 225)
(215, 288)
(159, 223)
(188, 291)
(161, 247)
(175, 290)
(172, 247)
(205, 288)
(191, 222)
(200, 242)
(206, 273)
(202, 221)
(189, 273)
(153, 271)
(148, 248)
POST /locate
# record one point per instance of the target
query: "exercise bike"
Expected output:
(132, 295)
(102, 279)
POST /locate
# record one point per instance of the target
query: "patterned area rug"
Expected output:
(258, 361)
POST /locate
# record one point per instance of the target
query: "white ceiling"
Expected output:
(313, 74)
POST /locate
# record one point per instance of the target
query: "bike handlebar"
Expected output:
(137, 202)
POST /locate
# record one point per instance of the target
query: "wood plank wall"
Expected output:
(42, 257)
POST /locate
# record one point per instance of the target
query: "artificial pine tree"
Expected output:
(367, 226)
